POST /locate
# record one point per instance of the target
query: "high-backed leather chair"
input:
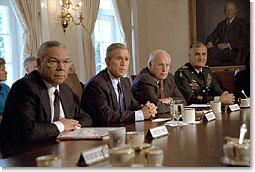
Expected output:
(74, 83)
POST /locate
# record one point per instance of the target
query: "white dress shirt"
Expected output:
(139, 113)
(51, 89)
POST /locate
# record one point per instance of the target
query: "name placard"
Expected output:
(157, 132)
(210, 116)
(94, 155)
(234, 107)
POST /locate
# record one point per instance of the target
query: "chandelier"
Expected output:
(66, 16)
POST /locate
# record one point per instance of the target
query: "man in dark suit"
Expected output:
(148, 83)
(224, 41)
(107, 97)
(195, 80)
(40, 106)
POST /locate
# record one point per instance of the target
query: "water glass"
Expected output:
(178, 109)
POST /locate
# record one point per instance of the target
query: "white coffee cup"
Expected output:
(49, 161)
(242, 152)
(189, 115)
(216, 106)
(228, 150)
(122, 156)
(154, 156)
(117, 137)
(245, 102)
(135, 138)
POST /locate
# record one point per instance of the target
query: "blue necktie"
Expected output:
(56, 106)
(121, 101)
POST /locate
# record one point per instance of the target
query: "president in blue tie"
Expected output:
(107, 97)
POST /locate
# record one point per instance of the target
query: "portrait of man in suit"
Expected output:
(230, 39)
(107, 96)
(40, 106)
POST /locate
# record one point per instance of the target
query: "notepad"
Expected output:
(88, 133)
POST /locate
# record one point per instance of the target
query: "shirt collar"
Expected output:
(50, 87)
(230, 20)
(113, 79)
(198, 70)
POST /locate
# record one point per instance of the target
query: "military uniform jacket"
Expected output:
(196, 88)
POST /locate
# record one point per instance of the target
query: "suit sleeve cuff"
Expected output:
(139, 115)
(229, 46)
(60, 126)
(217, 98)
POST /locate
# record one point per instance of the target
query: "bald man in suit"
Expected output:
(224, 41)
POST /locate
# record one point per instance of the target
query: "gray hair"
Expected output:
(43, 49)
(28, 60)
(153, 53)
(196, 45)
(225, 5)
(2, 61)
(112, 47)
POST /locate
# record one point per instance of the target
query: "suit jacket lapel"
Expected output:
(45, 99)
(112, 91)
(195, 76)
(64, 101)
(231, 25)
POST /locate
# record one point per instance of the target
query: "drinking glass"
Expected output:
(178, 109)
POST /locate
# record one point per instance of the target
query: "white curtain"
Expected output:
(90, 9)
(123, 15)
(27, 13)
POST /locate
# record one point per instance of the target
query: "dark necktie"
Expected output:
(162, 93)
(56, 106)
(121, 100)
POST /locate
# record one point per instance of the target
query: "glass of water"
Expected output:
(178, 109)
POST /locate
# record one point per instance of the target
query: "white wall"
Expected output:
(163, 24)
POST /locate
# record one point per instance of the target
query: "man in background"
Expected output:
(156, 84)
(196, 82)
(107, 97)
(228, 36)
(30, 64)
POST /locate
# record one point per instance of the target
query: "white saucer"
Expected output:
(143, 146)
(227, 161)
(244, 106)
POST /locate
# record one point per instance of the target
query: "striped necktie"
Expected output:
(162, 93)
(121, 100)
(56, 106)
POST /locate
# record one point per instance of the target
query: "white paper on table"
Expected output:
(198, 106)
(176, 123)
(161, 119)
(180, 123)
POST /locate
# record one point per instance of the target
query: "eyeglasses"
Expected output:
(169, 66)
(54, 63)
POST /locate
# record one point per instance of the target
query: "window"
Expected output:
(105, 32)
(10, 48)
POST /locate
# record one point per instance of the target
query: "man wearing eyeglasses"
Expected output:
(40, 106)
(155, 83)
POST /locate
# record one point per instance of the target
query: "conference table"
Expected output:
(196, 145)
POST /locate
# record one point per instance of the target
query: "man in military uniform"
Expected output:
(195, 80)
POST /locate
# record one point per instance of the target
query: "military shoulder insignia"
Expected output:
(180, 74)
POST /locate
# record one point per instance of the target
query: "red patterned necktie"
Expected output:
(162, 93)
(56, 106)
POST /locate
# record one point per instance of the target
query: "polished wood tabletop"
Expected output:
(196, 145)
